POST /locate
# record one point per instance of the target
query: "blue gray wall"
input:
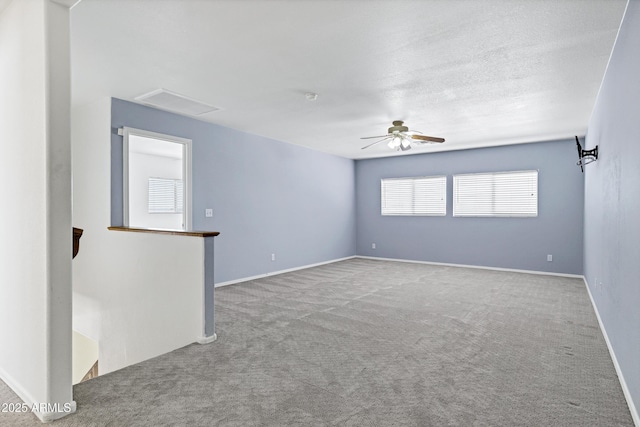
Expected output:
(612, 202)
(267, 196)
(519, 243)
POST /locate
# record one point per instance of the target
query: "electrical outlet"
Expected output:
(549, 258)
(273, 257)
(208, 213)
(373, 246)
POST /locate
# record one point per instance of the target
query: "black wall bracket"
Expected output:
(586, 156)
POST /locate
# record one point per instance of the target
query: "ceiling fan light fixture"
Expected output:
(400, 138)
(395, 143)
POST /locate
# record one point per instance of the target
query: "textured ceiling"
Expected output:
(478, 73)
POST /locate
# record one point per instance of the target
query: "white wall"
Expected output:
(139, 295)
(141, 168)
(23, 256)
(35, 239)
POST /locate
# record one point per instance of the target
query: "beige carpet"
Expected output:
(375, 343)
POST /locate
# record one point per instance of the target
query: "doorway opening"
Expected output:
(156, 180)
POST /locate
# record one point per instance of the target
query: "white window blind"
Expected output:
(419, 196)
(165, 195)
(496, 194)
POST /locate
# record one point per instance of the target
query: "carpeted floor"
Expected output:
(375, 343)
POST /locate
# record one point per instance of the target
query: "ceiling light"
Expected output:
(395, 143)
(311, 96)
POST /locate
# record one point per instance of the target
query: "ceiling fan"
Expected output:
(400, 138)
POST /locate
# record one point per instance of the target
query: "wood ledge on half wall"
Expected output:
(77, 234)
(161, 231)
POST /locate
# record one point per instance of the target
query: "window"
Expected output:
(165, 195)
(419, 196)
(504, 194)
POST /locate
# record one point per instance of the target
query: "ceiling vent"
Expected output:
(171, 101)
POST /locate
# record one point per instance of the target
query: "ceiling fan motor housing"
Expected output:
(398, 127)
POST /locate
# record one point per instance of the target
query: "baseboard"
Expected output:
(17, 388)
(481, 267)
(47, 417)
(625, 390)
(275, 273)
(26, 397)
(207, 340)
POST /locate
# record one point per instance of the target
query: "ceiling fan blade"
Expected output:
(427, 138)
(374, 143)
(371, 137)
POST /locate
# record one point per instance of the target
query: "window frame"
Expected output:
(442, 178)
(125, 132)
(493, 214)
